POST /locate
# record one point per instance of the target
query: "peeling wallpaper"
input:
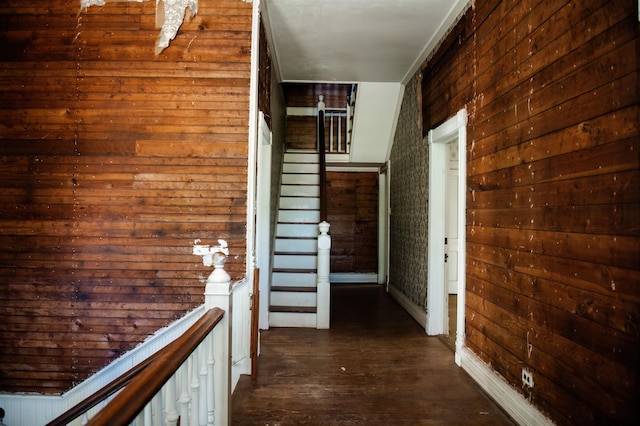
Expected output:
(409, 198)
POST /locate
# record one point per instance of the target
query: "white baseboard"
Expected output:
(511, 401)
(353, 277)
(414, 310)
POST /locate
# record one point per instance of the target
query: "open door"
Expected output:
(452, 132)
(451, 238)
(263, 218)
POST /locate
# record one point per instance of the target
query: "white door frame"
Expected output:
(383, 226)
(453, 129)
(263, 219)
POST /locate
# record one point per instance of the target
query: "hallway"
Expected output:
(374, 366)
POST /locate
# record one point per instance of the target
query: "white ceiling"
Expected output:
(355, 40)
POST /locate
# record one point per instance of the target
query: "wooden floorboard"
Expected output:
(375, 366)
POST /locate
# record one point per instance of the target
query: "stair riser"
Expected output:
(300, 191)
(298, 157)
(288, 319)
(282, 298)
(297, 230)
(297, 246)
(299, 216)
(295, 262)
(299, 203)
(294, 279)
(300, 168)
(297, 179)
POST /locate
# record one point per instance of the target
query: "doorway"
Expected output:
(446, 245)
(451, 239)
(263, 218)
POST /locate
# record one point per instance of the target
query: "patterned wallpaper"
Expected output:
(409, 198)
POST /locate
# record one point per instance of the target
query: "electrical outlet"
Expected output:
(527, 378)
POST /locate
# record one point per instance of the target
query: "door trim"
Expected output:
(453, 129)
(263, 218)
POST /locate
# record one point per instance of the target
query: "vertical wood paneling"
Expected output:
(553, 216)
(113, 161)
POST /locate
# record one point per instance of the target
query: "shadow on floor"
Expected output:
(375, 366)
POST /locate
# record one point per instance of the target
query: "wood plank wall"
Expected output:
(300, 132)
(353, 214)
(112, 162)
(553, 203)
(307, 94)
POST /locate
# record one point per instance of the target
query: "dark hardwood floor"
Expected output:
(375, 366)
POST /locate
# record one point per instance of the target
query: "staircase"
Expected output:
(293, 301)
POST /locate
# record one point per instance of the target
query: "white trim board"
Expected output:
(511, 401)
(352, 277)
(413, 309)
(452, 131)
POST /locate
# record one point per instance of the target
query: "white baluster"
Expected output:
(156, 409)
(202, 403)
(183, 374)
(147, 421)
(210, 381)
(330, 132)
(348, 128)
(195, 389)
(170, 402)
(339, 132)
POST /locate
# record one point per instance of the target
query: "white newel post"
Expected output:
(218, 294)
(323, 283)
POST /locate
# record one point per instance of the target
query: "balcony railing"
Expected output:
(190, 380)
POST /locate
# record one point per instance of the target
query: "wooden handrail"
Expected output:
(323, 166)
(102, 394)
(131, 400)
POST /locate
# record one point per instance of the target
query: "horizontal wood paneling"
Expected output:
(307, 94)
(352, 211)
(553, 202)
(301, 132)
(112, 162)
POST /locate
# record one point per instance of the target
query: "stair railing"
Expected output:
(323, 285)
(337, 129)
(189, 381)
(323, 162)
(177, 386)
